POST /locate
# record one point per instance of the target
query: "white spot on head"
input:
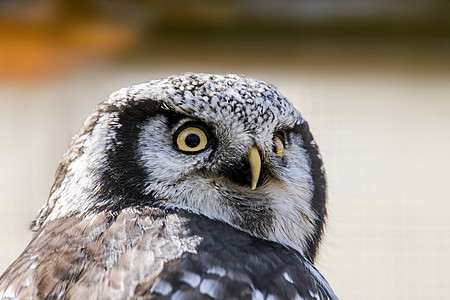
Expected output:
(297, 297)
(216, 271)
(257, 295)
(191, 278)
(178, 295)
(288, 277)
(209, 287)
(163, 288)
(314, 295)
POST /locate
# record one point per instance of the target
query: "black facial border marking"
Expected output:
(318, 202)
(123, 180)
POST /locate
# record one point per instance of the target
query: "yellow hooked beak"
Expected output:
(255, 165)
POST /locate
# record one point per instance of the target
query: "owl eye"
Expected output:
(279, 145)
(191, 139)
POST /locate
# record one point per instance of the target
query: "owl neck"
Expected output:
(98, 172)
(76, 187)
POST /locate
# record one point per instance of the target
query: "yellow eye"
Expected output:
(279, 146)
(192, 139)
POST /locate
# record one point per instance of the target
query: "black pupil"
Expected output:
(192, 140)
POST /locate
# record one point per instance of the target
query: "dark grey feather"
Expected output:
(146, 252)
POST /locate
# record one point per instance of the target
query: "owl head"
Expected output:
(228, 147)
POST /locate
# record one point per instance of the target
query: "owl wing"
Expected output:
(98, 256)
(230, 264)
(149, 252)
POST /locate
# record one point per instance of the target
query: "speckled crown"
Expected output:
(237, 97)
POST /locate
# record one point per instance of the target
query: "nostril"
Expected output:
(238, 171)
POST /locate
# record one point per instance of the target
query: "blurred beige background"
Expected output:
(372, 80)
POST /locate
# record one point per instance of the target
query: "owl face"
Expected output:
(228, 147)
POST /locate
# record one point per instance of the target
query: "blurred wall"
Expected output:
(370, 77)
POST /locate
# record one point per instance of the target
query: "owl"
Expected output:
(196, 186)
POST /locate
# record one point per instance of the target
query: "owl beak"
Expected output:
(255, 165)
